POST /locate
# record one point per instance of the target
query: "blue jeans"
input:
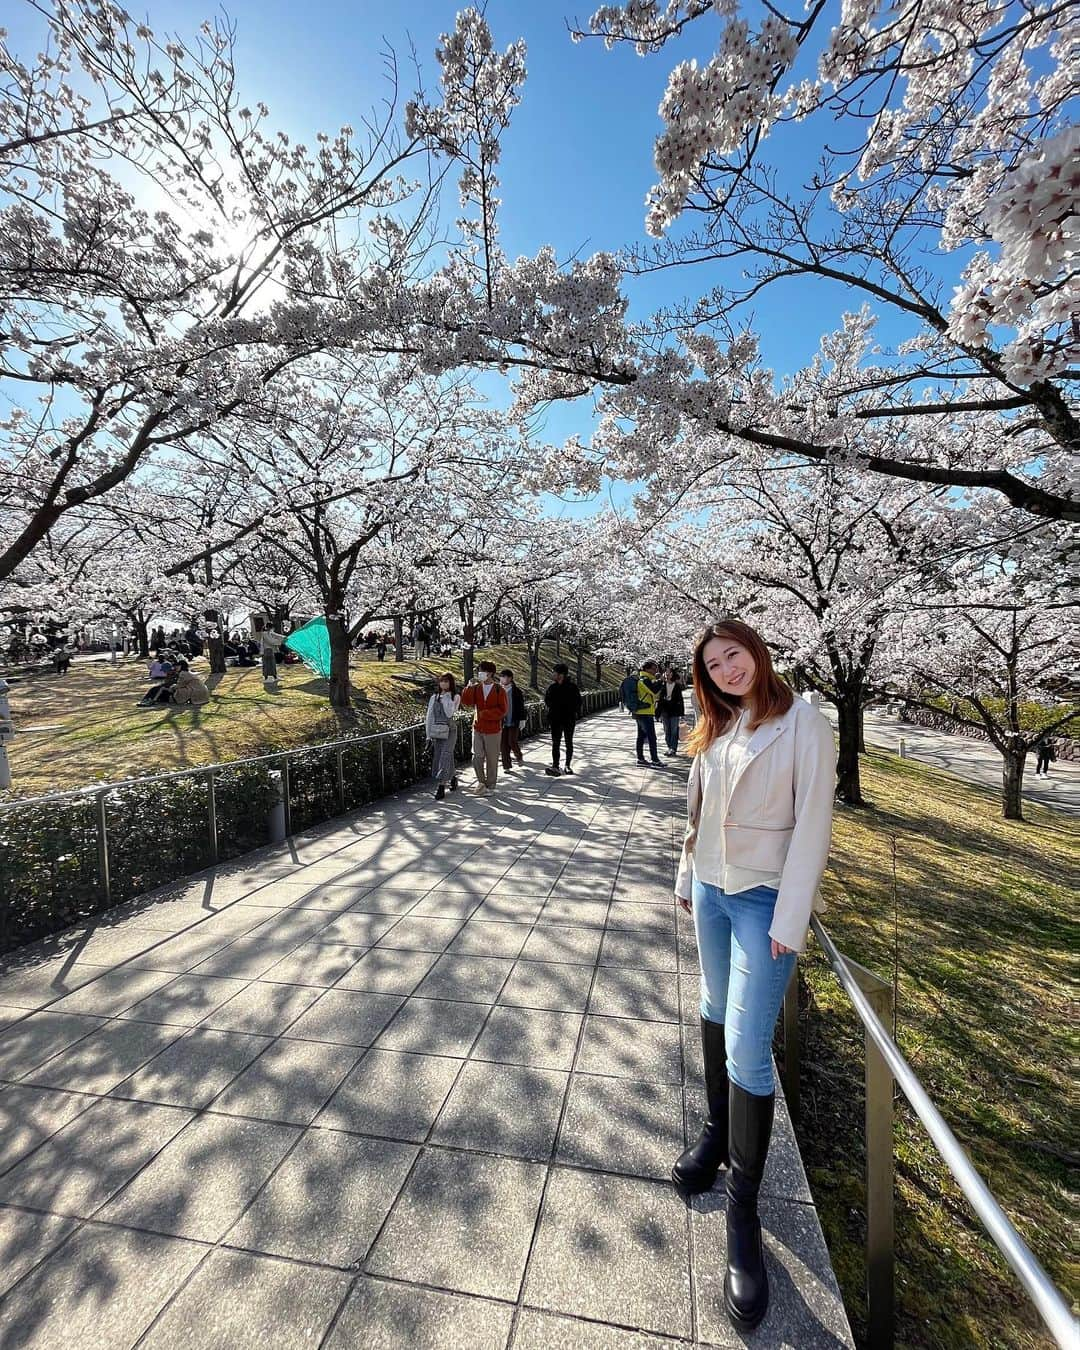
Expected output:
(671, 731)
(646, 732)
(741, 985)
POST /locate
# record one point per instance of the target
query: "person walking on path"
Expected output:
(1045, 754)
(439, 727)
(563, 699)
(490, 703)
(515, 715)
(759, 808)
(672, 709)
(639, 694)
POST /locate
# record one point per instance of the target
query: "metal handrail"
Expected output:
(344, 742)
(1048, 1301)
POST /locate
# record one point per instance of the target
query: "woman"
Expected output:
(757, 840)
(439, 726)
(672, 709)
(189, 689)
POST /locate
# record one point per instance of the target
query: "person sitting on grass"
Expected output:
(160, 666)
(163, 692)
(189, 690)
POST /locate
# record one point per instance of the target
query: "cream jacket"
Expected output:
(779, 817)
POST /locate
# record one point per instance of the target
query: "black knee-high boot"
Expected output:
(746, 1285)
(696, 1169)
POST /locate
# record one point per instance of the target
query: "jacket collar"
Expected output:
(761, 739)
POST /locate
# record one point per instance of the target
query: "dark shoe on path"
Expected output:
(697, 1168)
(568, 769)
(453, 784)
(440, 792)
(746, 1284)
(552, 771)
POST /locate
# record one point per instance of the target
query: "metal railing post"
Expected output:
(412, 750)
(286, 794)
(341, 778)
(212, 803)
(103, 849)
(791, 1046)
(880, 1232)
(382, 765)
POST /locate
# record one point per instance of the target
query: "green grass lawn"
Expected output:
(91, 730)
(980, 926)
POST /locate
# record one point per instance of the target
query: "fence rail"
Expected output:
(65, 856)
(872, 998)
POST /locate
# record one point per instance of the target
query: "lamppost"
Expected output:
(7, 733)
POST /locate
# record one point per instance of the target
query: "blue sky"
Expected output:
(577, 160)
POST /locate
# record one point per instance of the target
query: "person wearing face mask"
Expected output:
(439, 726)
(759, 808)
(490, 704)
(515, 715)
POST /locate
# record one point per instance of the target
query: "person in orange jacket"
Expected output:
(490, 704)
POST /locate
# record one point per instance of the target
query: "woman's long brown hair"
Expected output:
(768, 697)
(446, 675)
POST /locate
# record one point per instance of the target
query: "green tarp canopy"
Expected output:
(312, 645)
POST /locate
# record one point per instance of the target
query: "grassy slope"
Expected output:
(982, 933)
(102, 736)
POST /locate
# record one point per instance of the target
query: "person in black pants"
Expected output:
(1045, 754)
(672, 708)
(563, 699)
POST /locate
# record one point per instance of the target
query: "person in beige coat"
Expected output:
(759, 824)
(189, 689)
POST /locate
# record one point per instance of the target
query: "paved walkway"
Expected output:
(414, 1081)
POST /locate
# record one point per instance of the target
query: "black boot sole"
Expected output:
(739, 1320)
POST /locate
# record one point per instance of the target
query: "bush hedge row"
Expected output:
(51, 868)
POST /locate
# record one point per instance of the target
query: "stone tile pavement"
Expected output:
(415, 1080)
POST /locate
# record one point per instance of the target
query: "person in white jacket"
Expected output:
(759, 809)
(439, 727)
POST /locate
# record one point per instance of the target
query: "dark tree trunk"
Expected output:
(280, 618)
(1012, 782)
(534, 664)
(862, 730)
(580, 667)
(340, 682)
(399, 638)
(215, 646)
(141, 625)
(849, 719)
(599, 672)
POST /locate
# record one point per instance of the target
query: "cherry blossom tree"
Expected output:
(947, 159)
(165, 255)
(997, 631)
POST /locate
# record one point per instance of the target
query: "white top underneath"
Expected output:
(721, 765)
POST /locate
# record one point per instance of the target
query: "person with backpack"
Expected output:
(563, 699)
(672, 709)
(639, 694)
(1045, 754)
(759, 827)
(439, 729)
(515, 715)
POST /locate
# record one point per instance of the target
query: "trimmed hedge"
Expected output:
(50, 864)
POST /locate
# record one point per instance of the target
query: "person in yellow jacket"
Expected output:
(648, 691)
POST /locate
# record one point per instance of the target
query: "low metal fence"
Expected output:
(872, 998)
(68, 855)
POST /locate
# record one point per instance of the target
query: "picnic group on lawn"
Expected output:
(759, 826)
